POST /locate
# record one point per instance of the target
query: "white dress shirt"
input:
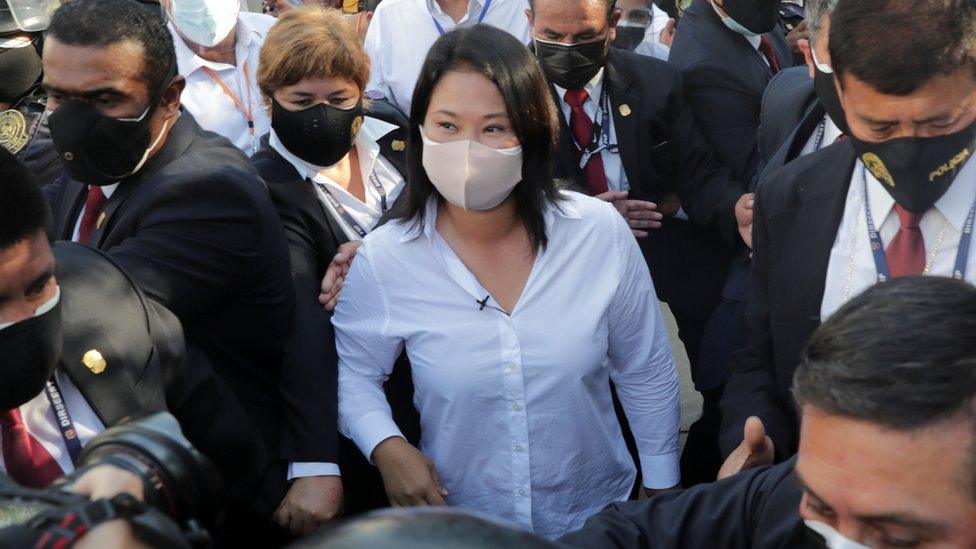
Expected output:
(402, 31)
(613, 166)
(831, 133)
(366, 214)
(516, 411)
(213, 109)
(107, 190)
(852, 247)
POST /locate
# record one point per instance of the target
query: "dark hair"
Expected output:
(504, 60)
(107, 22)
(23, 209)
(897, 46)
(901, 355)
(369, 5)
(609, 4)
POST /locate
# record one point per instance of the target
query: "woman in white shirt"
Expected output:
(517, 304)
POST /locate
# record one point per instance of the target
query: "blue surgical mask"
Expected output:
(737, 27)
(832, 537)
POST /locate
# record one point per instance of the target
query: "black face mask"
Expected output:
(628, 38)
(321, 134)
(97, 149)
(29, 353)
(571, 66)
(823, 84)
(21, 70)
(759, 16)
(917, 171)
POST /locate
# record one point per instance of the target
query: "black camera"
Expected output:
(182, 492)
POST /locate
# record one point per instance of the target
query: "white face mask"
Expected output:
(471, 175)
(41, 309)
(832, 537)
(205, 22)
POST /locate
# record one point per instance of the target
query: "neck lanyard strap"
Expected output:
(440, 28)
(378, 186)
(344, 214)
(600, 138)
(246, 111)
(877, 248)
(65, 424)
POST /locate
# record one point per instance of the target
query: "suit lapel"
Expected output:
(625, 110)
(70, 206)
(794, 144)
(567, 166)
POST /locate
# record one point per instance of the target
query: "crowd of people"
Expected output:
(414, 253)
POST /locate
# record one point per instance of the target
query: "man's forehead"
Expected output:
(75, 67)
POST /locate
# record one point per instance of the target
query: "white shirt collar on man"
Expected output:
(367, 213)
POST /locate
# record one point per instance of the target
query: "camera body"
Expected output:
(182, 491)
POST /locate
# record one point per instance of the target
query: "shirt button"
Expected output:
(521, 492)
(516, 406)
(518, 447)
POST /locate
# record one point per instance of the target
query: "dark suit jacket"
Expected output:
(149, 369)
(663, 153)
(196, 230)
(797, 214)
(757, 509)
(724, 81)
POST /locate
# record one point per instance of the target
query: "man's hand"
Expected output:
(798, 33)
(114, 534)
(310, 503)
(743, 216)
(106, 482)
(667, 33)
(335, 274)
(638, 213)
(755, 450)
(409, 477)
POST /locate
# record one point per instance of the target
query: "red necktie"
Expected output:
(906, 251)
(582, 127)
(25, 459)
(93, 207)
(766, 47)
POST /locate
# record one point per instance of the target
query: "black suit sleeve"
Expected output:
(706, 189)
(721, 514)
(752, 389)
(309, 380)
(213, 419)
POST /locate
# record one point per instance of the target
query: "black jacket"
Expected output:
(797, 215)
(663, 153)
(724, 81)
(757, 509)
(196, 230)
(149, 369)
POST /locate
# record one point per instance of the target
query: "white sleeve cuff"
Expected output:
(660, 471)
(300, 469)
(373, 428)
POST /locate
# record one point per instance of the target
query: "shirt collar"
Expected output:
(474, 6)
(189, 62)
(563, 209)
(954, 204)
(593, 88)
(372, 130)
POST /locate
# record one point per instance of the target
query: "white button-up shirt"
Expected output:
(831, 133)
(613, 166)
(211, 106)
(851, 252)
(402, 31)
(516, 411)
(366, 214)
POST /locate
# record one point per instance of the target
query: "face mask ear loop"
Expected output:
(145, 155)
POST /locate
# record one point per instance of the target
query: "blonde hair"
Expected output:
(310, 42)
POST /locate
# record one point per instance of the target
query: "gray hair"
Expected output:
(816, 10)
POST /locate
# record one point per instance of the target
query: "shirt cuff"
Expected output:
(372, 429)
(660, 471)
(300, 469)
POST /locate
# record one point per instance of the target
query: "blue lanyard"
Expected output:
(600, 139)
(344, 214)
(877, 248)
(440, 29)
(61, 415)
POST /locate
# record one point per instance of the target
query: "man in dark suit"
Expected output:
(647, 152)
(185, 215)
(79, 337)
(894, 199)
(870, 387)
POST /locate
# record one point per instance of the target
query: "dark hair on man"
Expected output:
(369, 5)
(609, 4)
(897, 46)
(23, 209)
(107, 22)
(902, 355)
(504, 60)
